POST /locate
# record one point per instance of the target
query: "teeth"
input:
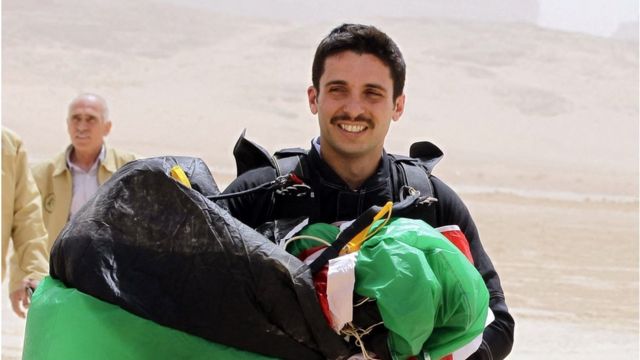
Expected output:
(353, 128)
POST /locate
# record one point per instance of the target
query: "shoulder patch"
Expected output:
(49, 202)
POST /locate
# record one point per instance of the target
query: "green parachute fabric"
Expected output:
(65, 323)
(431, 298)
(323, 231)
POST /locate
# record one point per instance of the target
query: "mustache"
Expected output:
(345, 117)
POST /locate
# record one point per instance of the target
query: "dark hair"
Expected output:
(361, 39)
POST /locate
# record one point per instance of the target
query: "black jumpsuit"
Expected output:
(334, 201)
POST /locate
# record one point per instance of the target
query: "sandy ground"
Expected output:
(12, 329)
(539, 127)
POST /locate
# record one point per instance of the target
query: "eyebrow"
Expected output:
(78, 116)
(335, 82)
(342, 82)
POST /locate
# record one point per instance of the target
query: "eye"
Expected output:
(374, 94)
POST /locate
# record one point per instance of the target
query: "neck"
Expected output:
(84, 160)
(353, 171)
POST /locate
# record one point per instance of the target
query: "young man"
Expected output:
(358, 79)
(68, 180)
(21, 224)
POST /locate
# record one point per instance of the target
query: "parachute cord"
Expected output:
(362, 302)
(279, 182)
(351, 330)
(307, 237)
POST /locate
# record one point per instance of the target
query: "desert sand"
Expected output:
(539, 128)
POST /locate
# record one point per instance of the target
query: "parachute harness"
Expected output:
(289, 184)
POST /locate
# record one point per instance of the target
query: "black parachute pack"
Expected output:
(164, 252)
(409, 173)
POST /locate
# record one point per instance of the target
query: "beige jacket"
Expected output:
(56, 186)
(21, 216)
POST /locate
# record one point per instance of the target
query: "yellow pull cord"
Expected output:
(179, 175)
(354, 244)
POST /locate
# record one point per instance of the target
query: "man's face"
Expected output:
(354, 105)
(86, 125)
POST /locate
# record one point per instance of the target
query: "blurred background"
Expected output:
(535, 104)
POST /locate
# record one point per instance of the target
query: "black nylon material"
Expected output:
(166, 253)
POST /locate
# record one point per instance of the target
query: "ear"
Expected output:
(398, 107)
(106, 128)
(312, 95)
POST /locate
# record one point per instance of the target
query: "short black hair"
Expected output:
(361, 39)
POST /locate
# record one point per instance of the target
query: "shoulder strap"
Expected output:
(291, 161)
(410, 172)
(415, 171)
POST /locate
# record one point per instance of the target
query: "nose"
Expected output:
(82, 125)
(353, 107)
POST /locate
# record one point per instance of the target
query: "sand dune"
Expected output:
(539, 128)
(489, 94)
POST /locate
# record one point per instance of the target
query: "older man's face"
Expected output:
(87, 126)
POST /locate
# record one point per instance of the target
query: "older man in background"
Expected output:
(72, 177)
(22, 224)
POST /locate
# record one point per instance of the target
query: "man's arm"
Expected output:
(498, 336)
(30, 259)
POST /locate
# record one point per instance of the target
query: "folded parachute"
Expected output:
(215, 288)
(430, 298)
(166, 253)
(65, 323)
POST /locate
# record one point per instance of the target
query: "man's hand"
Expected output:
(21, 298)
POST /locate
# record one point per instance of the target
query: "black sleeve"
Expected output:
(497, 339)
(254, 208)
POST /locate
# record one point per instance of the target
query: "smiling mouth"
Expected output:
(352, 128)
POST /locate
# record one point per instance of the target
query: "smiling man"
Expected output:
(68, 180)
(355, 103)
(358, 77)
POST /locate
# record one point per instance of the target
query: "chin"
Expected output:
(82, 145)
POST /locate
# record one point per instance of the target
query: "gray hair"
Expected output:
(95, 97)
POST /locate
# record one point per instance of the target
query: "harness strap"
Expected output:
(406, 172)
(409, 173)
(290, 161)
(415, 176)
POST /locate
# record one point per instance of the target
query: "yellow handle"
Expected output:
(179, 175)
(354, 244)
